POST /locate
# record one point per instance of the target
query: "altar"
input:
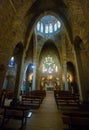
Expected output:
(50, 88)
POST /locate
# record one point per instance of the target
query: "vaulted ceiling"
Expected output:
(18, 19)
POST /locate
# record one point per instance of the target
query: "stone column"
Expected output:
(34, 77)
(61, 81)
(18, 77)
(79, 71)
(38, 80)
(22, 75)
(65, 76)
(34, 61)
(64, 60)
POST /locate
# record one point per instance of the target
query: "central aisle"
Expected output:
(47, 117)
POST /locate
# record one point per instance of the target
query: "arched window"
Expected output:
(55, 26)
(46, 28)
(58, 24)
(49, 65)
(41, 27)
(38, 26)
(12, 62)
(50, 28)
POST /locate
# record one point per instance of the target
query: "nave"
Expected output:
(47, 117)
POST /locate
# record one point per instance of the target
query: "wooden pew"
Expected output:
(33, 99)
(2, 98)
(16, 112)
(58, 93)
(40, 93)
(2, 101)
(70, 100)
(65, 99)
(76, 119)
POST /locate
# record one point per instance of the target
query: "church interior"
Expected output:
(44, 53)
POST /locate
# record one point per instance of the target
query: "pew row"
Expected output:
(65, 99)
(33, 99)
(76, 119)
(17, 113)
(22, 109)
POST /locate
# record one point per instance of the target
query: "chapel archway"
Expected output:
(11, 74)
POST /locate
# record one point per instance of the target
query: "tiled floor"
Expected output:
(47, 117)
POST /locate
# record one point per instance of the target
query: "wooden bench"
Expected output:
(65, 99)
(76, 119)
(17, 113)
(38, 93)
(32, 98)
(70, 101)
(31, 101)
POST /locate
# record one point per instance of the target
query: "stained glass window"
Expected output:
(12, 62)
(56, 69)
(46, 28)
(38, 26)
(55, 26)
(41, 27)
(49, 65)
(58, 24)
(50, 28)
